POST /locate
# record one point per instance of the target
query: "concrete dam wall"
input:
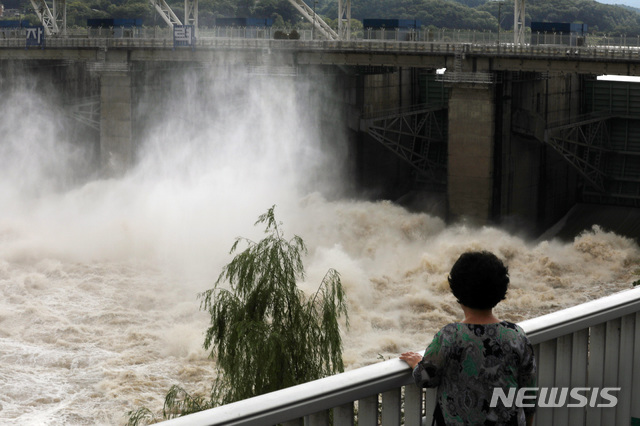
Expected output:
(475, 150)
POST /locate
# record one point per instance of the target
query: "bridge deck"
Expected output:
(618, 59)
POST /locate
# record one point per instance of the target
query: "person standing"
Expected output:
(467, 360)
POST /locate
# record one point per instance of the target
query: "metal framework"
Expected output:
(416, 136)
(87, 112)
(191, 13)
(583, 144)
(518, 22)
(344, 19)
(191, 16)
(458, 76)
(317, 21)
(54, 20)
(166, 13)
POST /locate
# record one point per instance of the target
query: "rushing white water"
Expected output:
(99, 277)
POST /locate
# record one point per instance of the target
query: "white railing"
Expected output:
(593, 345)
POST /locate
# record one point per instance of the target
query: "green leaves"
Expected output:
(454, 14)
(179, 402)
(264, 333)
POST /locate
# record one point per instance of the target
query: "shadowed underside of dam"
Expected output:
(531, 152)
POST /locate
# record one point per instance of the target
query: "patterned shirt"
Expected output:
(467, 361)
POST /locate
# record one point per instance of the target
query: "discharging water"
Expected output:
(99, 277)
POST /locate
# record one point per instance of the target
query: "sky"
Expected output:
(634, 3)
(619, 78)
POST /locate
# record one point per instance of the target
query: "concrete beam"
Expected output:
(483, 58)
(560, 64)
(374, 59)
(220, 56)
(22, 54)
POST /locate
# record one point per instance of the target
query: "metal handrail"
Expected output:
(333, 391)
(453, 36)
(627, 54)
(307, 398)
(579, 317)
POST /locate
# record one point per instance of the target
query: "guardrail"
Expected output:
(592, 345)
(429, 35)
(419, 41)
(553, 52)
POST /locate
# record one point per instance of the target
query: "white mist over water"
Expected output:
(98, 278)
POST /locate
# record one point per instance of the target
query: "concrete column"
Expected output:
(381, 92)
(471, 152)
(116, 146)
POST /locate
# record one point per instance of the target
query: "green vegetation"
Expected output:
(455, 14)
(266, 320)
(483, 14)
(600, 18)
(264, 333)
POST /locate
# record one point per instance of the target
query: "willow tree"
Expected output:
(265, 334)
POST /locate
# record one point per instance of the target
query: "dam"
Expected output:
(511, 135)
(189, 144)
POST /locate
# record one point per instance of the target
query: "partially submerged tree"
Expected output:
(265, 334)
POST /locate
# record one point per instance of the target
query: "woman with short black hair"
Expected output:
(468, 360)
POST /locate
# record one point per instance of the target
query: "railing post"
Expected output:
(412, 405)
(320, 418)
(368, 411)
(635, 391)
(611, 365)
(343, 415)
(546, 377)
(579, 361)
(563, 375)
(391, 407)
(596, 369)
(625, 380)
(430, 401)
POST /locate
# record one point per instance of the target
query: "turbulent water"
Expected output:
(99, 277)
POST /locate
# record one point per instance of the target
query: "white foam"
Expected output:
(98, 278)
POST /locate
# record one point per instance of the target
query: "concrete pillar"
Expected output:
(116, 146)
(381, 92)
(471, 152)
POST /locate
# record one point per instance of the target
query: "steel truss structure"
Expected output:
(318, 23)
(583, 143)
(518, 22)
(191, 13)
(54, 19)
(87, 112)
(415, 135)
(167, 13)
(344, 19)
